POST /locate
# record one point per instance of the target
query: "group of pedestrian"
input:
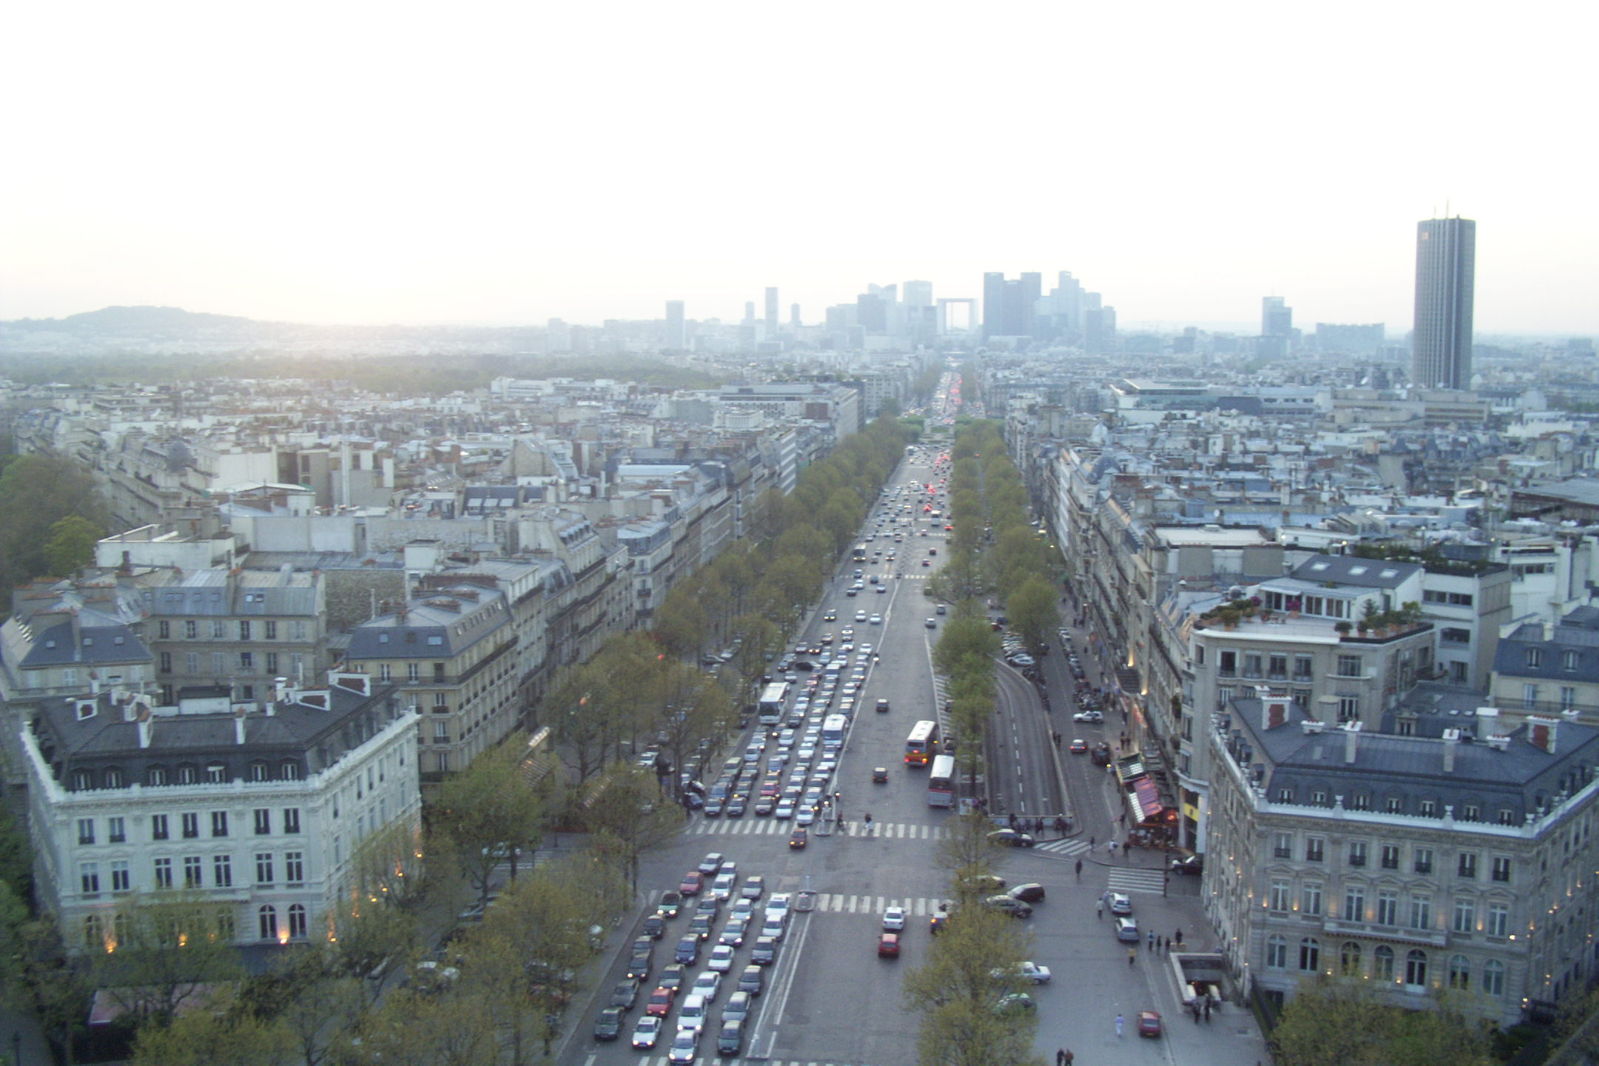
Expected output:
(1064, 1057)
(1194, 1006)
(1029, 825)
(1159, 943)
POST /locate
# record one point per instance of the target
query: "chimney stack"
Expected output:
(238, 726)
(1451, 744)
(146, 726)
(1543, 732)
(1351, 740)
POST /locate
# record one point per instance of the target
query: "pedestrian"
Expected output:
(1119, 1024)
(1060, 1057)
(1099, 910)
(1178, 937)
(1193, 1008)
(1110, 845)
(1079, 869)
(1013, 819)
(1070, 1057)
(1090, 842)
(1132, 956)
(1207, 1008)
(1151, 940)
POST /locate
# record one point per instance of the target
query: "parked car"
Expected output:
(1016, 1003)
(1011, 838)
(1092, 717)
(1030, 892)
(1029, 970)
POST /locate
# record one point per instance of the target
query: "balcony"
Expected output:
(1427, 937)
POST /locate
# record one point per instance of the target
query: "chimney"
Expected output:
(1274, 712)
(146, 727)
(1542, 732)
(1351, 740)
(238, 726)
(1451, 744)
(1487, 721)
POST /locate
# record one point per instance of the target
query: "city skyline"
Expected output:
(507, 166)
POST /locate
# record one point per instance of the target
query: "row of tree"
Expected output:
(52, 517)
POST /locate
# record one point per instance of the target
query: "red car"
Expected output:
(798, 838)
(888, 946)
(693, 881)
(1148, 1023)
(660, 1002)
(1079, 746)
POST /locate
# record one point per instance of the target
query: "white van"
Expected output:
(692, 1014)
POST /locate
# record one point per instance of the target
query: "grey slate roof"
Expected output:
(1577, 633)
(96, 639)
(1351, 570)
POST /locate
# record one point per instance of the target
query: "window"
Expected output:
(1357, 853)
(413, 672)
(1285, 795)
(1416, 968)
(191, 871)
(89, 878)
(244, 629)
(116, 829)
(191, 629)
(1423, 860)
(1348, 708)
(1465, 915)
(1472, 813)
(260, 771)
(222, 870)
(1348, 666)
(1315, 849)
(267, 922)
(1277, 900)
(1360, 801)
(441, 730)
(1227, 664)
(158, 827)
(1382, 963)
(1277, 667)
(191, 825)
(1459, 972)
(1310, 899)
(1252, 664)
(1501, 869)
(216, 774)
(219, 823)
(1303, 668)
(291, 819)
(247, 661)
(263, 868)
(1529, 696)
(271, 627)
(1282, 846)
(163, 873)
(191, 661)
(1277, 952)
(1349, 959)
(1393, 804)
(385, 673)
(294, 867)
(1354, 903)
(164, 629)
(1507, 816)
(1568, 697)
(93, 932)
(121, 881)
(1387, 907)
(1319, 797)
(1498, 919)
(219, 663)
(1390, 856)
(438, 672)
(272, 662)
(289, 771)
(1421, 911)
(85, 830)
(1493, 977)
(1309, 954)
(1427, 808)
(296, 921)
(263, 821)
(164, 662)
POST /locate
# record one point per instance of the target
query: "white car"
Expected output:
(779, 904)
(685, 1046)
(709, 982)
(647, 1032)
(722, 887)
(804, 814)
(894, 919)
(1088, 716)
(785, 808)
(877, 619)
(860, 616)
(1032, 971)
(721, 959)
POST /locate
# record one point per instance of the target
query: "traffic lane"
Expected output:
(1022, 774)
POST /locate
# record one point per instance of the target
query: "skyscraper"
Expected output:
(676, 336)
(1009, 306)
(1446, 266)
(771, 310)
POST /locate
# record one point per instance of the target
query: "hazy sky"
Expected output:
(506, 163)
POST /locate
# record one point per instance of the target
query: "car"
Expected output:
(692, 1014)
(624, 994)
(1028, 970)
(688, 950)
(926, 563)
(1149, 1023)
(730, 1038)
(722, 887)
(647, 1032)
(1119, 903)
(1013, 907)
(638, 965)
(693, 881)
(798, 838)
(721, 958)
(753, 888)
(659, 1005)
(778, 906)
(685, 1047)
(711, 865)
(805, 901)
(877, 620)
(1092, 717)
(774, 926)
(1021, 659)
(668, 903)
(654, 927)
(1101, 754)
(894, 919)
(989, 883)
(1010, 838)
(764, 953)
(1188, 864)
(860, 616)
(879, 775)
(1016, 1003)
(672, 977)
(608, 1026)
(700, 926)
(765, 806)
(1127, 930)
(830, 616)
(752, 980)
(931, 623)
(1028, 892)
(733, 932)
(888, 946)
(1078, 746)
(707, 984)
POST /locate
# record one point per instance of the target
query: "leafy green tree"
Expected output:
(217, 1031)
(1344, 1021)
(167, 949)
(39, 492)
(48, 981)
(485, 811)
(70, 545)
(626, 812)
(1034, 612)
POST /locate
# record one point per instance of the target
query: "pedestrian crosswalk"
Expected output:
(708, 1052)
(846, 903)
(1070, 846)
(777, 827)
(1133, 879)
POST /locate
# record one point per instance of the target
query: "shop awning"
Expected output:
(1143, 800)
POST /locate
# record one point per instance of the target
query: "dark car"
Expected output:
(1031, 892)
(879, 775)
(1013, 907)
(700, 926)
(882, 706)
(654, 926)
(608, 1026)
(752, 980)
(638, 966)
(1010, 838)
(688, 950)
(1101, 754)
(765, 951)
(798, 838)
(624, 995)
(730, 1039)
(667, 906)
(1188, 864)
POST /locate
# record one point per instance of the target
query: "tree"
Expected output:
(214, 1031)
(367, 934)
(40, 491)
(1345, 1021)
(70, 545)
(486, 811)
(1034, 612)
(164, 952)
(48, 981)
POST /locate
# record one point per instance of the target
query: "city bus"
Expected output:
(771, 705)
(922, 744)
(859, 554)
(941, 782)
(833, 730)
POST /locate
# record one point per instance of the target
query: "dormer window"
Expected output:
(86, 710)
(1534, 658)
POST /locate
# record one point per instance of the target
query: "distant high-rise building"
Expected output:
(1009, 306)
(676, 333)
(771, 310)
(1276, 317)
(749, 312)
(794, 316)
(1446, 266)
(919, 294)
